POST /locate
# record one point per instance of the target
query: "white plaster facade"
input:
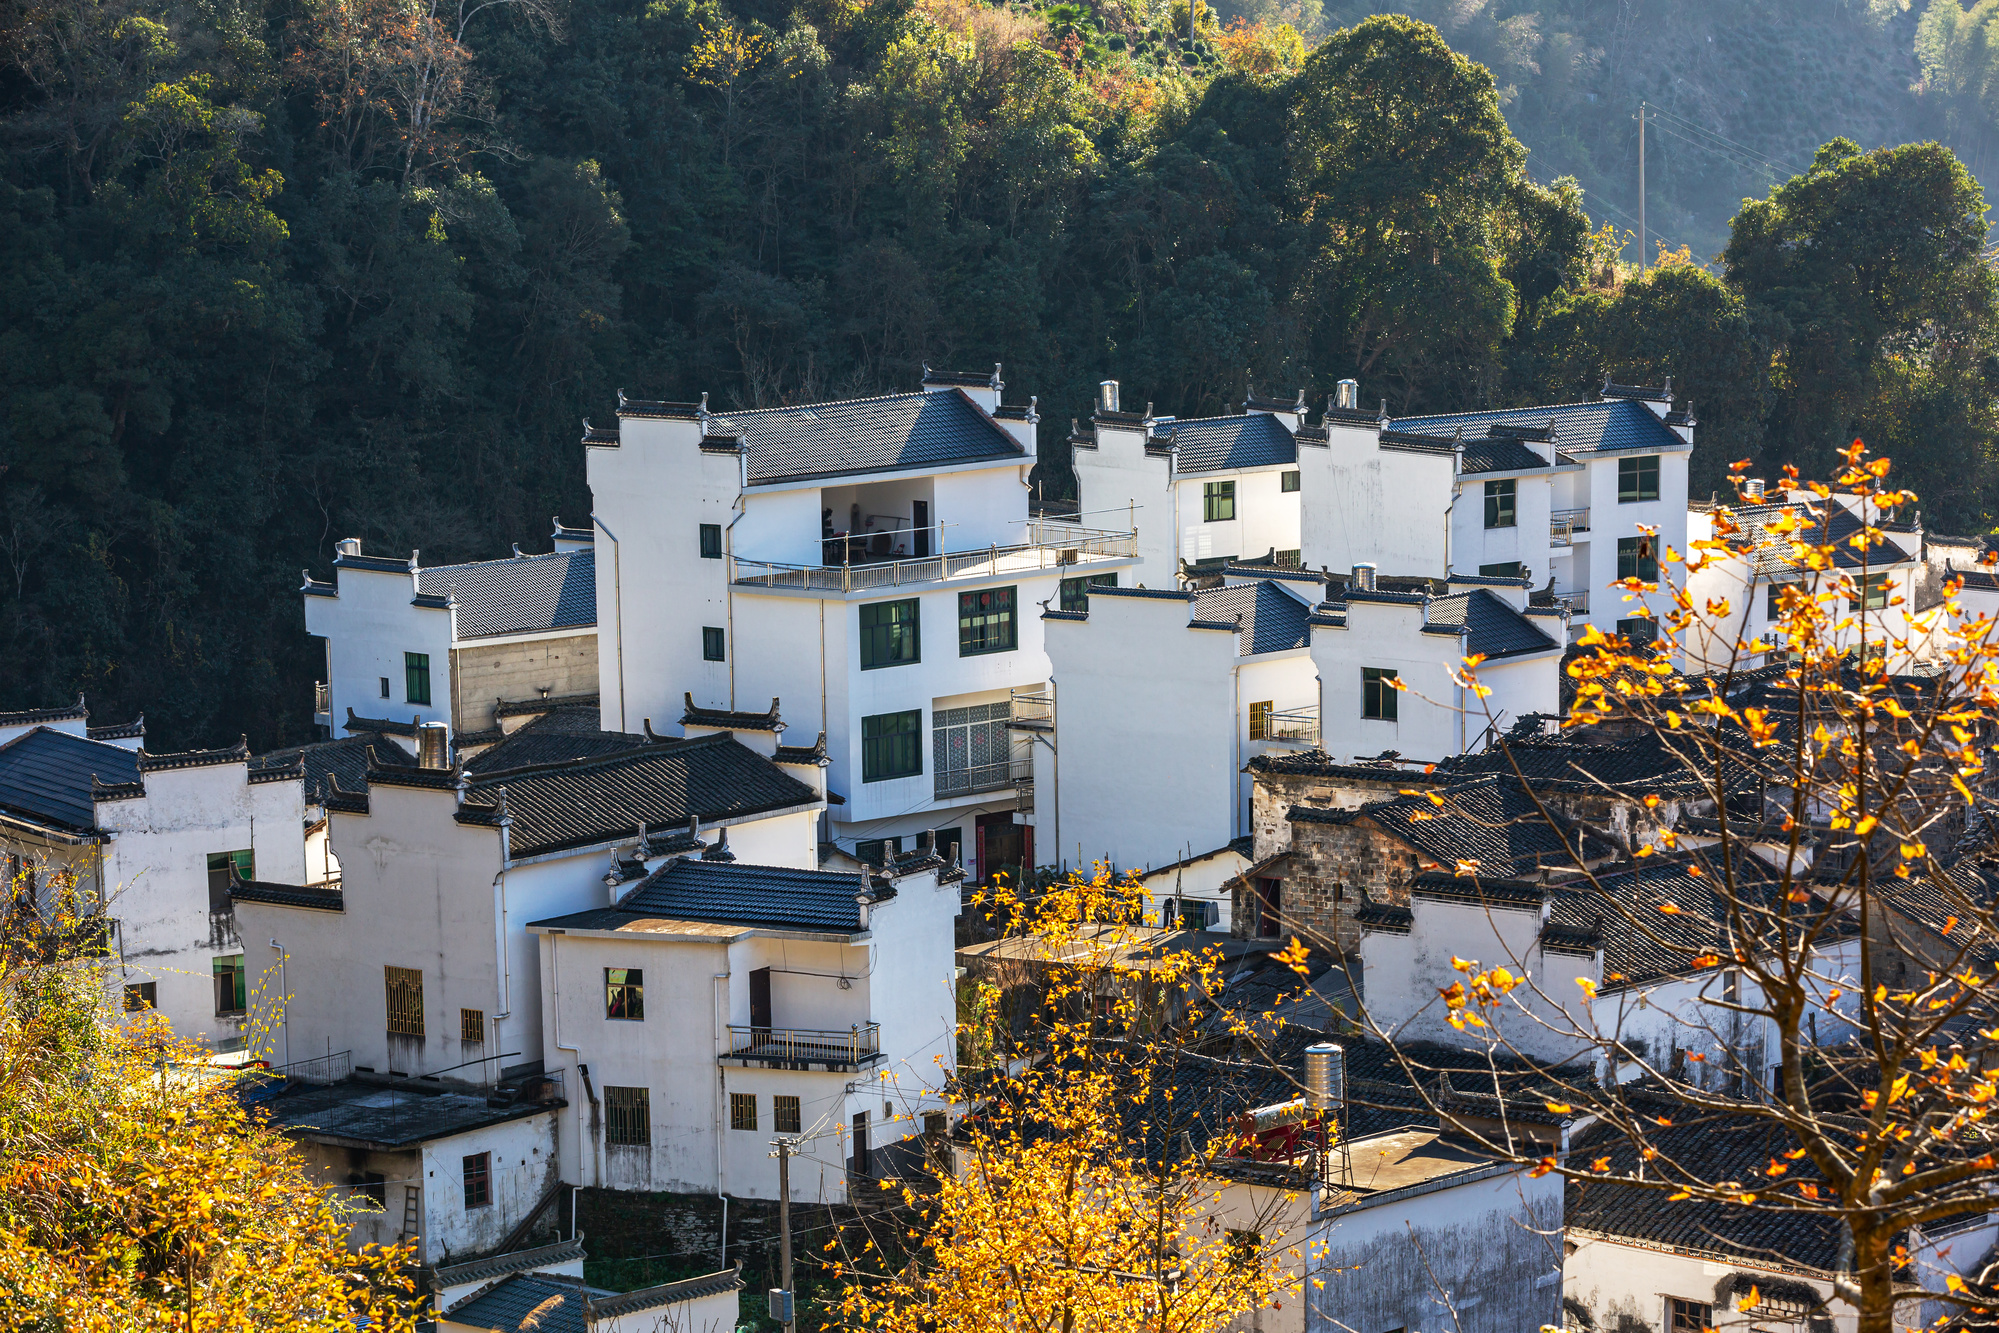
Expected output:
(1615, 1278)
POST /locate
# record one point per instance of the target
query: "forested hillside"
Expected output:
(274, 272)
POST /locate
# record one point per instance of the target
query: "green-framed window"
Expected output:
(714, 644)
(416, 677)
(1505, 569)
(1501, 507)
(1378, 693)
(892, 746)
(231, 990)
(711, 541)
(987, 622)
(1637, 559)
(1637, 479)
(1218, 501)
(1076, 592)
(891, 634)
(1287, 481)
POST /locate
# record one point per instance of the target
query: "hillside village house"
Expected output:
(450, 644)
(1269, 660)
(716, 1004)
(419, 961)
(551, 1298)
(156, 840)
(872, 563)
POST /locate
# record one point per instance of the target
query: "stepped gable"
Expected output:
(1497, 630)
(896, 432)
(522, 595)
(1266, 619)
(345, 760)
(1222, 444)
(1582, 429)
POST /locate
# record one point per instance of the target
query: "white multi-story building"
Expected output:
(873, 565)
(1145, 765)
(451, 643)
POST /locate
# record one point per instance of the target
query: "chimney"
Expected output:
(1347, 394)
(1363, 577)
(433, 746)
(1107, 396)
(1752, 488)
(347, 546)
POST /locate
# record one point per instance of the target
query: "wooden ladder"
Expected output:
(412, 1212)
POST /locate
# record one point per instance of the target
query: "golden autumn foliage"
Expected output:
(1074, 1202)
(136, 1191)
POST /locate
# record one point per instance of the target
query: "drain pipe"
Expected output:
(729, 595)
(593, 1150)
(716, 991)
(618, 608)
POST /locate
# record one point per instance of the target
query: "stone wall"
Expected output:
(1329, 867)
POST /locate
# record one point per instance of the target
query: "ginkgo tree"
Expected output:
(1838, 908)
(1080, 1194)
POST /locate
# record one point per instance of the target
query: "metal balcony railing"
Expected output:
(1049, 544)
(858, 1045)
(977, 778)
(1294, 724)
(1564, 524)
(1575, 599)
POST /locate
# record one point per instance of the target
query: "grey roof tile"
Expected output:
(46, 775)
(389, 1116)
(1497, 630)
(1218, 444)
(1580, 428)
(553, 738)
(347, 760)
(726, 891)
(1270, 620)
(519, 595)
(898, 432)
(1499, 455)
(525, 1303)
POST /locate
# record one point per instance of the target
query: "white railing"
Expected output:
(1049, 544)
(1564, 524)
(1293, 724)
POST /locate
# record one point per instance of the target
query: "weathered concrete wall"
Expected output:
(483, 674)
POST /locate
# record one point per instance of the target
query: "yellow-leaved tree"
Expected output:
(137, 1191)
(1078, 1194)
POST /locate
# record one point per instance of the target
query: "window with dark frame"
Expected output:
(1773, 600)
(1076, 592)
(472, 1026)
(1259, 720)
(1639, 630)
(1505, 569)
(1874, 590)
(891, 634)
(625, 993)
(220, 865)
(1685, 1316)
(1218, 501)
(711, 541)
(743, 1110)
(370, 1185)
(986, 621)
(416, 678)
(403, 988)
(385, 686)
(1244, 1248)
(478, 1180)
(231, 992)
(1637, 479)
(892, 746)
(1378, 693)
(627, 1116)
(141, 995)
(1501, 499)
(1287, 481)
(714, 644)
(786, 1116)
(1636, 559)
(971, 748)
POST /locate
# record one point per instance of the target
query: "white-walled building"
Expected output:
(154, 842)
(1162, 698)
(420, 961)
(448, 643)
(557, 1303)
(873, 564)
(717, 1005)
(1883, 582)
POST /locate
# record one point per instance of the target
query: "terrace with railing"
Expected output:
(1047, 544)
(1294, 725)
(859, 1045)
(1564, 524)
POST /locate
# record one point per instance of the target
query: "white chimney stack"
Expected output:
(1363, 577)
(1347, 394)
(1107, 396)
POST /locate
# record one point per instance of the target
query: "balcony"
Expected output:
(1564, 524)
(799, 1048)
(1576, 600)
(1047, 544)
(322, 703)
(1298, 726)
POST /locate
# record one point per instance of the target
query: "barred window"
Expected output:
(479, 1180)
(624, 993)
(472, 1026)
(405, 1000)
(1259, 720)
(627, 1115)
(785, 1116)
(971, 749)
(1684, 1316)
(742, 1110)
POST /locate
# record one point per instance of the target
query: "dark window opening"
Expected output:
(890, 634)
(986, 622)
(140, 995)
(1076, 592)
(892, 746)
(785, 1115)
(1505, 569)
(713, 644)
(231, 995)
(627, 1116)
(479, 1180)
(221, 866)
(1637, 559)
(1218, 501)
(1500, 503)
(416, 677)
(1378, 694)
(1288, 481)
(624, 993)
(1637, 479)
(711, 541)
(743, 1110)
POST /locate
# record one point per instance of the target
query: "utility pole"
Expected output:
(1643, 258)
(784, 1233)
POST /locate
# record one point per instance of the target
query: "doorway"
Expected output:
(919, 513)
(1001, 847)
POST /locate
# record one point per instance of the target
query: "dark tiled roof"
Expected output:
(1489, 823)
(525, 1303)
(1269, 620)
(121, 732)
(804, 754)
(1655, 393)
(551, 739)
(1317, 763)
(894, 433)
(1967, 891)
(727, 891)
(1637, 766)
(1833, 524)
(652, 1298)
(379, 724)
(347, 758)
(374, 564)
(390, 1117)
(1580, 428)
(1499, 455)
(977, 379)
(1641, 943)
(733, 720)
(1219, 444)
(603, 799)
(1497, 630)
(563, 533)
(76, 712)
(289, 895)
(1417, 441)
(1171, 594)
(519, 595)
(551, 704)
(514, 1261)
(1711, 1149)
(232, 754)
(654, 407)
(46, 775)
